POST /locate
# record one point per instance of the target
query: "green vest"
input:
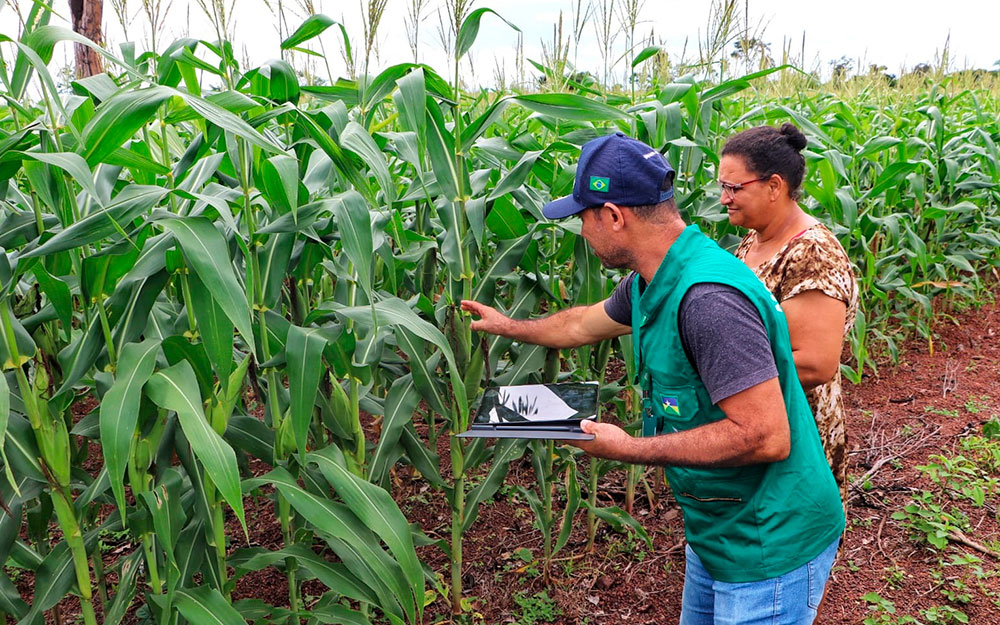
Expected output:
(746, 523)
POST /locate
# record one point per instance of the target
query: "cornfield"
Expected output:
(215, 295)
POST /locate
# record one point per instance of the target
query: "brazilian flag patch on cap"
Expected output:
(670, 405)
(599, 184)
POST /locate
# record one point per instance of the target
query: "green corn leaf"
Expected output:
(101, 86)
(588, 280)
(304, 355)
(4, 416)
(505, 221)
(619, 520)
(339, 614)
(441, 148)
(310, 28)
(646, 53)
(274, 267)
(356, 139)
(176, 388)
(400, 403)
(21, 450)
(40, 66)
(249, 434)
(423, 459)
(377, 510)
(383, 84)
(516, 176)
(25, 345)
(119, 412)
(355, 226)
(164, 505)
(340, 160)
(276, 80)
(572, 505)
(53, 580)
(469, 30)
(412, 102)
(44, 39)
(58, 294)
(508, 256)
(190, 553)
(118, 119)
(215, 328)
(130, 203)
(125, 592)
(228, 121)
(422, 369)
(333, 575)
(56, 575)
(38, 16)
(890, 177)
(281, 183)
(355, 547)
(11, 602)
(529, 361)
(21, 227)
(570, 107)
(476, 129)
(877, 144)
(206, 606)
(206, 251)
(394, 311)
(73, 165)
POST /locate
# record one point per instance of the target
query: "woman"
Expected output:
(801, 263)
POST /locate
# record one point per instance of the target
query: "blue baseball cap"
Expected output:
(617, 169)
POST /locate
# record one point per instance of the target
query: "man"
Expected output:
(723, 411)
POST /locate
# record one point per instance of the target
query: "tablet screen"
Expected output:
(538, 403)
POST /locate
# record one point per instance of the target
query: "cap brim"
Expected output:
(563, 207)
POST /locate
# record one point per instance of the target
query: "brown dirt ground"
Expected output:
(896, 421)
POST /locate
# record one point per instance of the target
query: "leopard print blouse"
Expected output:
(815, 260)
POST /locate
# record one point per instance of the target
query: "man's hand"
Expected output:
(610, 441)
(755, 430)
(491, 320)
(570, 327)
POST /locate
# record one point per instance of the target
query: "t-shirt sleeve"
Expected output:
(619, 305)
(817, 265)
(725, 339)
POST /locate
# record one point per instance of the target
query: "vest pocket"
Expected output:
(710, 488)
(669, 409)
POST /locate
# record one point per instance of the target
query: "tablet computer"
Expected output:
(549, 411)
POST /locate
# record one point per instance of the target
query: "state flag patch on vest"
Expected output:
(670, 405)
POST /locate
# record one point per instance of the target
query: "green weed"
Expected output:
(538, 608)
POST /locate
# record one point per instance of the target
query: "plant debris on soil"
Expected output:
(897, 421)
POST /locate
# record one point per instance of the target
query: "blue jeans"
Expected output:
(790, 599)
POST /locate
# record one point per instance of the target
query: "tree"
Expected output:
(87, 16)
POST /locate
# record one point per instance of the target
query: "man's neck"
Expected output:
(653, 247)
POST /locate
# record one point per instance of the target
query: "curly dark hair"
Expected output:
(767, 150)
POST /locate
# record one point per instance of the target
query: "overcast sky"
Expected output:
(893, 33)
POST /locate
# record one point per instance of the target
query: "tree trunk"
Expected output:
(87, 16)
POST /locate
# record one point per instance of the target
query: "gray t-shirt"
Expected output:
(722, 333)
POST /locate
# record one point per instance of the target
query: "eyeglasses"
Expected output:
(731, 189)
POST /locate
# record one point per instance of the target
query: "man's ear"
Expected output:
(617, 216)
